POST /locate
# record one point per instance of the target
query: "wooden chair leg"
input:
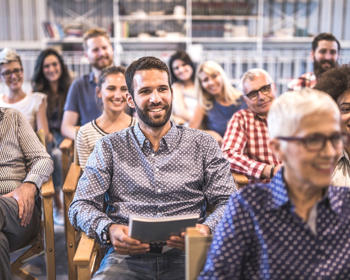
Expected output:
(70, 238)
(35, 248)
(49, 239)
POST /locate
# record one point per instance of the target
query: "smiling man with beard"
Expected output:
(82, 105)
(325, 54)
(153, 169)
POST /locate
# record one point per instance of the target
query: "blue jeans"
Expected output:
(56, 155)
(167, 266)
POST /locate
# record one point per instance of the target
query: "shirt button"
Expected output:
(157, 169)
(153, 155)
(159, 190)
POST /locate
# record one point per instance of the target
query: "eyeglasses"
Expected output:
(8, 73)
(316, 142)
(253, 95)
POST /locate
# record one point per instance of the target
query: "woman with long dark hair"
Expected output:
(182, 71)
(51, 77)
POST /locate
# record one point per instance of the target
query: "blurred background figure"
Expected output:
(31, 104)
(217, 100)
(112, 89)
(183, 71)
(336, 82)
(51, 76)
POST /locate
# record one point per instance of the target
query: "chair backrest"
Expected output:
(197, 246)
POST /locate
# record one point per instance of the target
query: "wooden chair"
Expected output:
(196, 247)
(87, 257)
(44, 241)
(240, 179)
(84, 258)
(67, 149)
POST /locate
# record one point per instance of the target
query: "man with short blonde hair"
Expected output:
(82, 104)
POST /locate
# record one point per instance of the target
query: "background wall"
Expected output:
(273, 34)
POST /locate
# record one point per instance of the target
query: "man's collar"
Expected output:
(279, 194)
(257, 116)
(170, 138)
(335, 196)
(92, 78)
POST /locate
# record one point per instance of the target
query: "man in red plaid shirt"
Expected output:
(246, 141)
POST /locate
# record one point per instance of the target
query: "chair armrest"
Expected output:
(66, 145)
(47, 189)
(196, 247)
(240, 179)
(84, 250)
(72, 178)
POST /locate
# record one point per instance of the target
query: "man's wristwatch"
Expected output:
(105, 238)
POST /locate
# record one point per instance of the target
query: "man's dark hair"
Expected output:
(181, 55)
(335, 81)
(108, 71)
(326, 37)
(144, 63)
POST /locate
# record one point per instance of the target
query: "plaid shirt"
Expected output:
(307, 80)
(246, 144)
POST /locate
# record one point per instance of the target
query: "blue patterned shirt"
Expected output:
(186, 173)
(261, 237)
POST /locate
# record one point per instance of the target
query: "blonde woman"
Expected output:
(218, 100)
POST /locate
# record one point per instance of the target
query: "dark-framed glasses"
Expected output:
(253, 95)
(316, 142)
(8, 73)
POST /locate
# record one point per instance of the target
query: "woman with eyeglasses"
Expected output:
(218, 100)
(31, 104)
(182, 72)
(298, 225)
(336, 82)
(51, 77)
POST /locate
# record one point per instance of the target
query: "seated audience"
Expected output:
(246, 141)
(325, 54)
(81, 105)
(297, 226)
(217, 99)
(182, 72)
(112, 89)
(336, 82)
(51, 77)
(154, 169)
(24, 166)
(31, 104)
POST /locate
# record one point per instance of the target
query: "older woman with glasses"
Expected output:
(297, 226)
(31, 104)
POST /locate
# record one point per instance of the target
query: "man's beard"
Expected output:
(150, 122)
(318, 68)
(98, 66)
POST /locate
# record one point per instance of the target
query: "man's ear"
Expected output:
(275, 145)
(312, 55)
(98, 92)
(130, 100)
